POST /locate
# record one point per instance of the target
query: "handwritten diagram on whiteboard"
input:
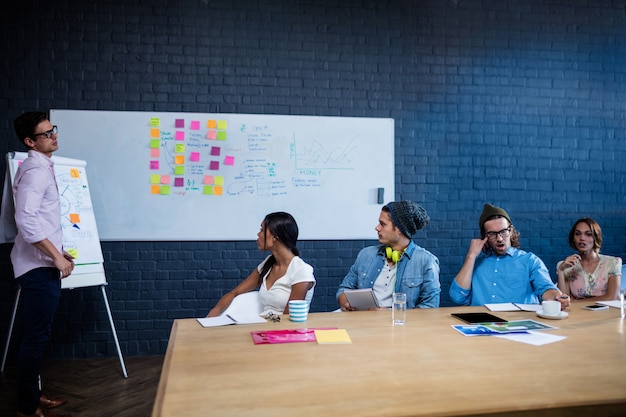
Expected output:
(194, 176)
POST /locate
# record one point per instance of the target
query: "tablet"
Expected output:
(362, 299)
(474, 318)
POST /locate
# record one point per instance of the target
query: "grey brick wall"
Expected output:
(517, 103)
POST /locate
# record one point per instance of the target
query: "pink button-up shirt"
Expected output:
(37, 213)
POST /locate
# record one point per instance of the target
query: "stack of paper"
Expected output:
(334, 336)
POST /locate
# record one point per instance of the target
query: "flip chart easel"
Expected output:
(80, 234)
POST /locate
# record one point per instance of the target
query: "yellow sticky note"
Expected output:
(332, 336)
(155, 122)
(73, 252)
(74, 173)
(155, 179)
(221, 124)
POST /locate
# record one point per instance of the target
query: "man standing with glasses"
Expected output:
(497, 271)
(39, 262)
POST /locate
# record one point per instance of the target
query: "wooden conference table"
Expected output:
(425, 368)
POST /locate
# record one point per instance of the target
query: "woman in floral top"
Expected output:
(587, 274)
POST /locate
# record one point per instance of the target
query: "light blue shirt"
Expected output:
(515, 277)
(37, 213)
(417, 274)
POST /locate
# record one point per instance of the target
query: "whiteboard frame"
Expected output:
(112, 141)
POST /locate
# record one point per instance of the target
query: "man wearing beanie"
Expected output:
(497, 271)
(397, 264)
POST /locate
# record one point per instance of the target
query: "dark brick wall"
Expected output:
(518, 103)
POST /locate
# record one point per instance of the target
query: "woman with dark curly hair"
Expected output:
(587, 274)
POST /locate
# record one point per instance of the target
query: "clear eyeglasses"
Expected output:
(503, 233)
(48, 134)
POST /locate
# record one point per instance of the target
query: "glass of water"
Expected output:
(398, 309)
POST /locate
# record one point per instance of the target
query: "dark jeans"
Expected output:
(41, 290)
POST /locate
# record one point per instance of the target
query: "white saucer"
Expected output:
(559, 316)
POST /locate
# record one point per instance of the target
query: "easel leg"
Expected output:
(117, 343)
(6, 346)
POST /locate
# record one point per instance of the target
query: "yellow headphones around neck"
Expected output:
(393, 255)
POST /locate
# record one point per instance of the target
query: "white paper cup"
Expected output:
(298, 310)
(551, 307)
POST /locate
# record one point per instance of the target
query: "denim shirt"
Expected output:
(515, 277)
(417, 274)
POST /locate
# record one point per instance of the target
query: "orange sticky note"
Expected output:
(74, 218)
(179, 159)
(155, 133)
(74, 173)
(211, 124)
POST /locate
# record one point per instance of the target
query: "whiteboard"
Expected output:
(195, 176)
(78, 222)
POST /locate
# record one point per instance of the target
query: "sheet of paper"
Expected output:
(502, 307)
(533, 338)
(247, 318)
(216, 321)
(612, 303)
(333, 336)
(528, 307)
(513, 307)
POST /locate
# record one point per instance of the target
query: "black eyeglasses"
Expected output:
(49, 133)
(272, 317)
(503, 233)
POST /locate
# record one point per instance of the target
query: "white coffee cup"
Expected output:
(551, 307)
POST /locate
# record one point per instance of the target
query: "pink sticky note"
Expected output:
(179, 123)
(165, 179)
(154, 164)
(211, 134)
(155, 153)
(179, 135)
(195, 125)
(229, 160)
(214, 166)
(215, 151)
(208, 179)
(194, 156)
